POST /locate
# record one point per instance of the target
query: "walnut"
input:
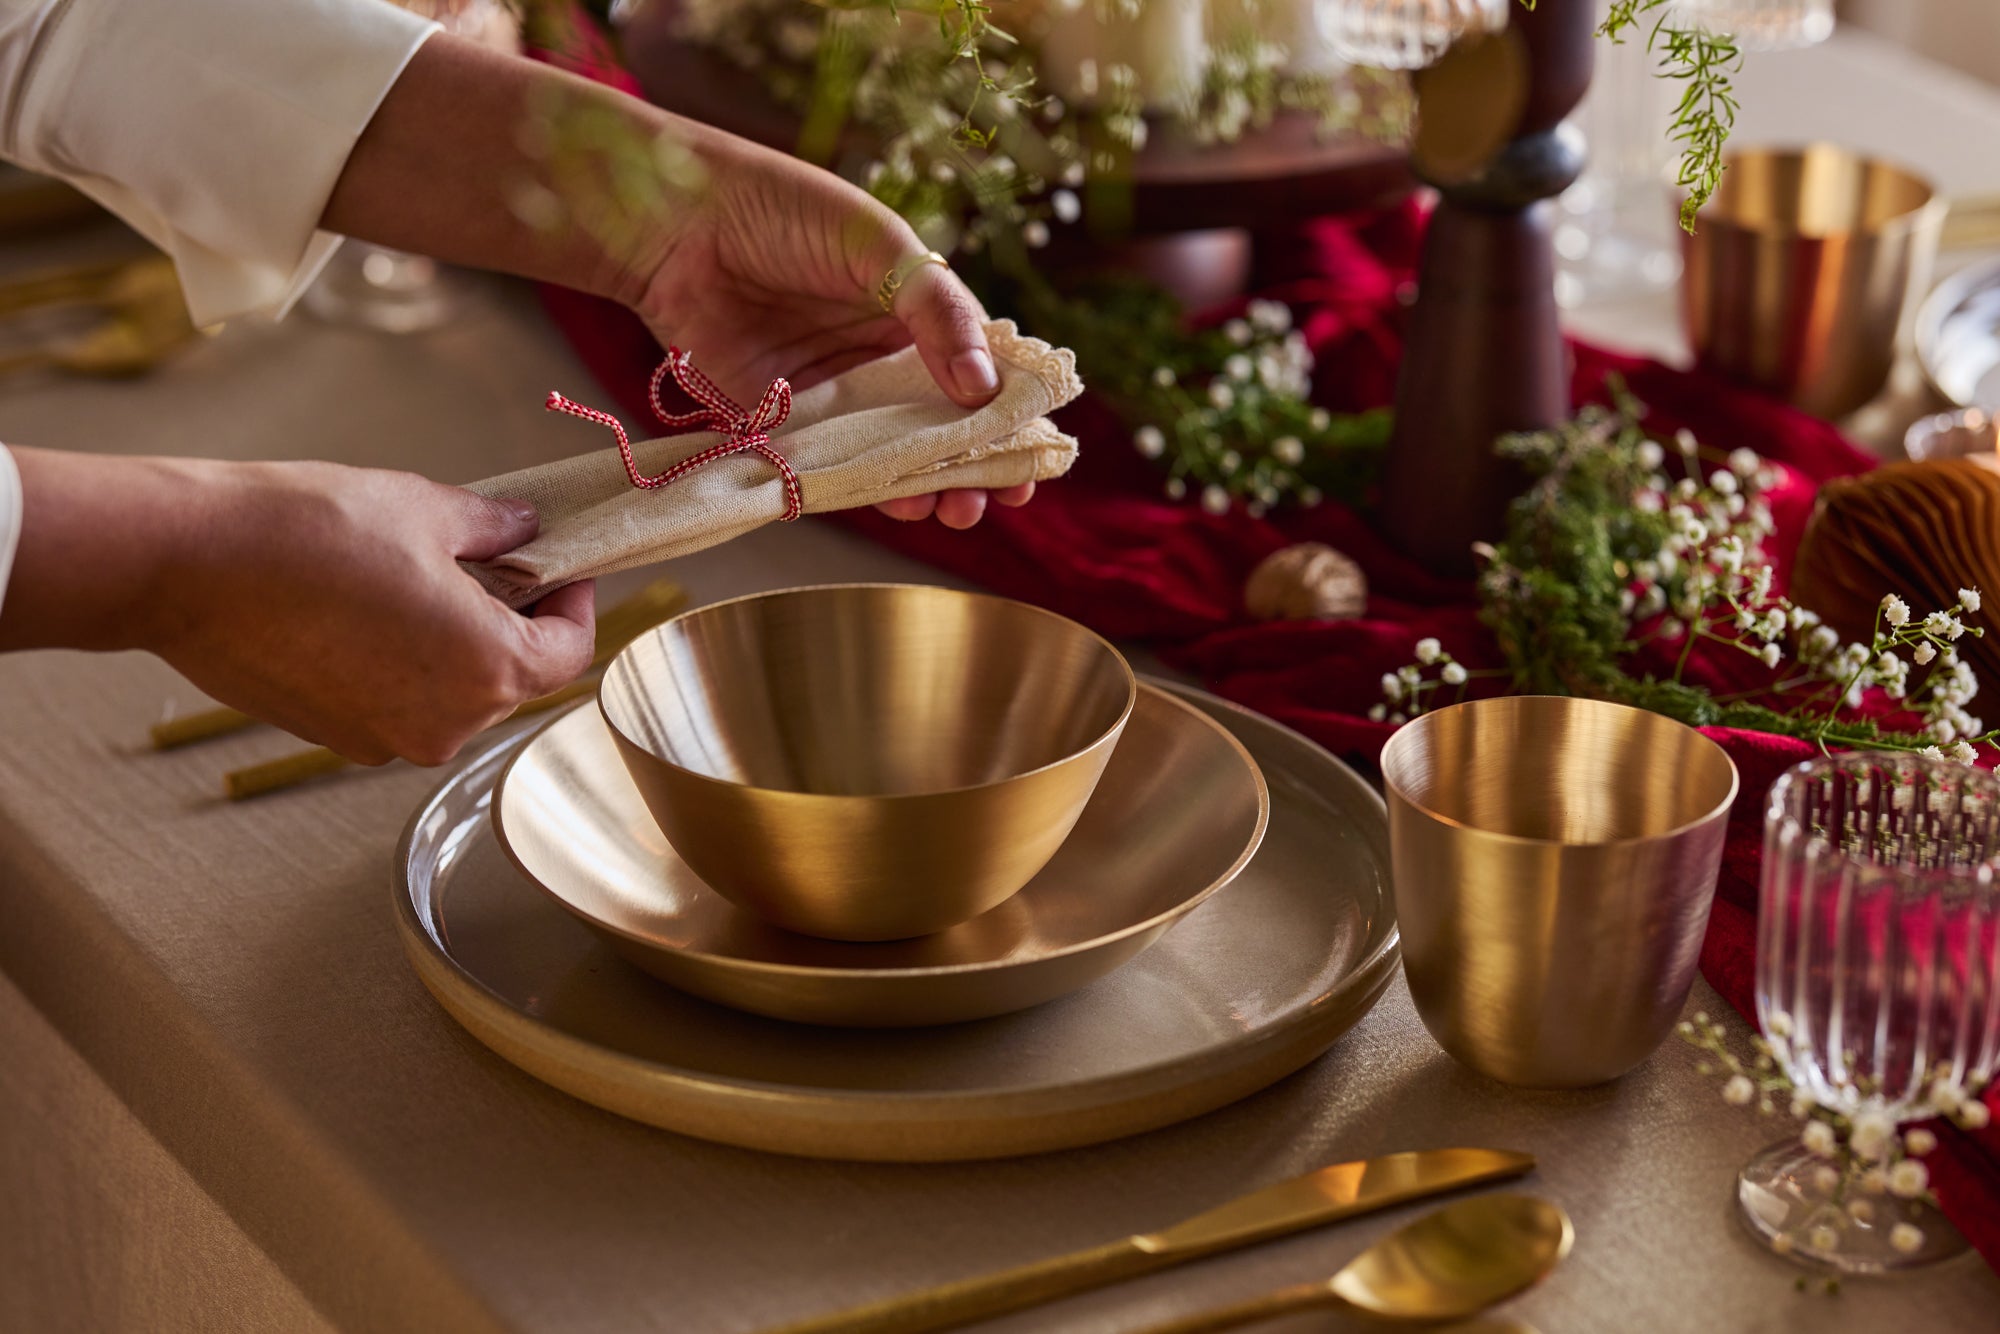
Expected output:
(1308, 581)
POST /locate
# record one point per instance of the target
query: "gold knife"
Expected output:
(1344, 1190)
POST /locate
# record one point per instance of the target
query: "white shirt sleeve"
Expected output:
(216, 128)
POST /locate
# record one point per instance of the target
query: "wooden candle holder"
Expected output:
(1485, 353)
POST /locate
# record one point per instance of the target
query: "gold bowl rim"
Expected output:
(1108, 736)
(1721, 808)
(1934, 201)
(730, 962)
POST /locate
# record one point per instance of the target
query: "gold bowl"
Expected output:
(1555, 860)
(867, 762)
(576, 827)
(1799, 271)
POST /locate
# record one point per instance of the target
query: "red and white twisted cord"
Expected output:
(749, 431)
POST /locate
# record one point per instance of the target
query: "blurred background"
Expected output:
(1962, 33)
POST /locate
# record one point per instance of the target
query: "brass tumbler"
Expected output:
(1554, 861)
(1800, 269)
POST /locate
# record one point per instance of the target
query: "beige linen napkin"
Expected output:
(878, 432)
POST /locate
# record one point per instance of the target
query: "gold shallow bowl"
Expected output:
(1256, 982)
(1179, 811)
(867, 762)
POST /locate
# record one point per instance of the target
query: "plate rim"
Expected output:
(441, 974)
(1158, 921)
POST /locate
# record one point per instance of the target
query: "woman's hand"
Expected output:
(773, 272)
(768, 267)
(325, 599)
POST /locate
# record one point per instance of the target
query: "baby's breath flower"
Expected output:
(1908, 1179)
(1237, 332)
(1973, 1115)
(1964, 753)
(1860, 1210)
(1802, 1105)
(1650, 456)
(1453, 674)
(1722, 482)
(1968, 598)
(1738, 1091)
(1872, 1135)
(1931, 753)
(1176, 489)
(1743, 462)
(1919, 1142)
(1392, 687)
(1429, 651)
(1377, 713)
(1895, 611)
(1035, 234)
(1924, 653)
(1066, 205)
(1220, 394)
(1671, 629)
(1288, 449)
(1239, 368)
(1229, 461)
(1823, 1238)
(1906, 1238)
(1772, 655)
(1164, 377)
(1150, 441)
(1214, 499)
(1818, 1139)
(1685, 442)
(1826, 1180)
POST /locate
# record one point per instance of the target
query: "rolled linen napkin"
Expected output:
(878, 432)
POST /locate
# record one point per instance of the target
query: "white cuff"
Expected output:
(217, 128)
(10, 517)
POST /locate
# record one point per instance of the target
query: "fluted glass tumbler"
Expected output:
(1404, 34)
(1876, 985)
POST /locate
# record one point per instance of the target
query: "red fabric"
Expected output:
(1104, 546)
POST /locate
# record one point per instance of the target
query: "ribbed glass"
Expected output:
(1876, 933)
(1404, 34)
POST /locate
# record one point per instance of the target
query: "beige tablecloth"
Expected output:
(237, 1109)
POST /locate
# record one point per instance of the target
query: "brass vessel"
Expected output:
(1800, 269)
(569, 818)
(867, 761)
(1555, 860)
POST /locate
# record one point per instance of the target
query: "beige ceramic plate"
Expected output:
(1250, 986)
(1180, 809)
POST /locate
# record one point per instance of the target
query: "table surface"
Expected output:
(232, 973)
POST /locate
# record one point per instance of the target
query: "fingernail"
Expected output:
(522, 510)
(973, 373)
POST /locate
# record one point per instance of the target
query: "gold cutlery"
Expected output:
(1344, 1190)
(617, 627)
(1450, 1264)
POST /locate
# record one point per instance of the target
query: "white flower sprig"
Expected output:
(1864, 1159)
(1412, 690)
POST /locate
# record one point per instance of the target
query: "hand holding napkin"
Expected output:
(879, 432)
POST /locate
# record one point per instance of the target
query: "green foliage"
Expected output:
(1703, 63)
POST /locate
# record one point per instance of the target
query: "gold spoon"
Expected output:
(1447, 1265)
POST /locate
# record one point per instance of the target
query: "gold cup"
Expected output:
(1800, 270)
(869, 761)
(1554, 862)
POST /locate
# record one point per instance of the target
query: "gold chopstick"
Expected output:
(618, 626)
